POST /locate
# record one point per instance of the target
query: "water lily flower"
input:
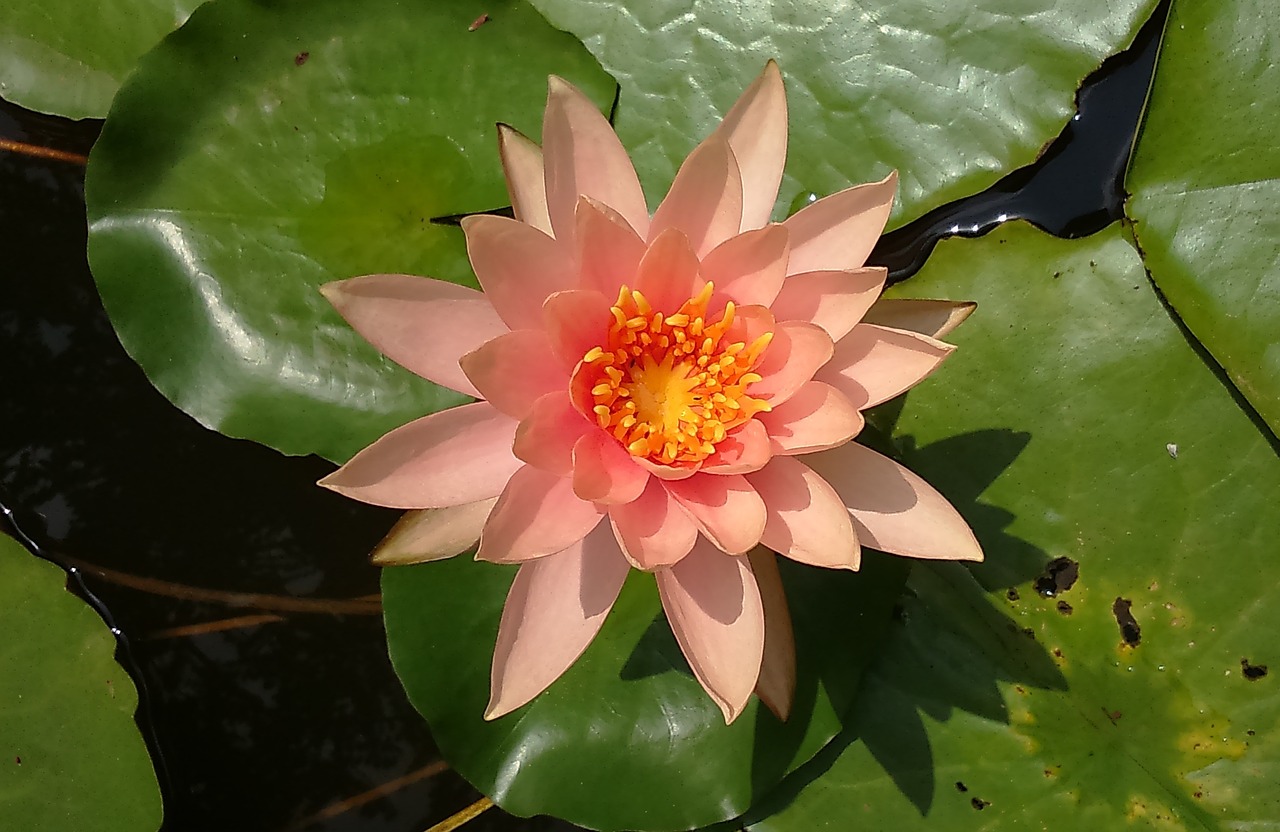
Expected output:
(674, 392)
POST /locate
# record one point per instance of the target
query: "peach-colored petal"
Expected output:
(429, 534)
(756, 129)
(726, 508)
(522, 166)
(935, 318)
(514, 370)
(834, 300)
(715, 611)
(537, 515)
(653, 531)
(749, 323)
(839, 231)
(872, 364)
(668, 473)
(545, 438)
(805, 518)
(893, 509)
(749, 268)
(609, 250)
(816, 418)
(456, 456)
(424, 325)
(798, 350)
(604, 472)
(705, 200)
(518, 267)
(575, 321)
(746, 448)
(668, 272)
(554, 609)
(776, 686)
(583, 157)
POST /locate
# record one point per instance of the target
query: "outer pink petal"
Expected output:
(575, 322)
(653, 531)
(668, 272)
(872, 364)
(756, 129)
(715, 611)
(806, 520)
(452, 457)
(798, 350)
(935, 318)
(518, 267)
(816, 418)
(424, 325)
(582, 156)
(609, 250)
(835, 301)
(726, 508)
(554, 609)
(545, 438)
(749, 268)
(604, 472)
(537, 515)
(776, 686)
(514, 370)
(705, 200)
(893, 509)
(522, 165)
(431, 534)
(839, 231)
(746, 448)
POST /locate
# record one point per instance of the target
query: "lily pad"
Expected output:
(1108, 664)
(68, 57)
(627, 738)
(1205, 181)
(951, 95)
(267, 148)
(71, 756)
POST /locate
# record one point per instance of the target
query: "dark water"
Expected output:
(273, 722)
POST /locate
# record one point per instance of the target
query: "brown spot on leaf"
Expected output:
(1012, 594)
(961, 787)
(1065, 608)
(301, 58)
(1252, 672)
(1060, 574)
(979, 804)
(478, 22)
(1129, 629)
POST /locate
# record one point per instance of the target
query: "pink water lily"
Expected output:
(675, 393)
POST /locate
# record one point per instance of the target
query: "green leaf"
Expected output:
(1093, 432)
(69, 57)
(71, 756)
(626, 739)
(1205, 181)
(267, 148)
(952, 96)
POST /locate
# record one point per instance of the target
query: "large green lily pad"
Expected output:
(267, 148)
(69, 57)
(1205, 180)
(71, 756)
(995, 706)
(951, 94)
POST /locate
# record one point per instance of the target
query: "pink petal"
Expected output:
(835, 301)
(749, 323)
(806, 520)
(583, 157)
(514, 370)
(872, 364)
(522, 165)
(816, 418)
(545, 438)
(798, 350)
(575, 322)
(776, 686)
(604, 472)
(456, 456)
(839, 231)
(554, 609)
(668, 272)
(705, 200)
(609, 251)
(935, 318)
(749, 268)
(668, 473)
(653, 531)
(756, 129)
(746, 448)
(715, 611)
(429, 534)
(537, 515)
(518, 267)
(893, 509)
(726, 508)
(424, 325)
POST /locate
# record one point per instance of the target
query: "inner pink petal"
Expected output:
(797, 351)
(609, 250)
(816, 418)
(835, 301)
(604, 472)
(514, 370)
(653, 530)
(668, 272)
(807, 521)
(546, 436)
(705, 200)
(749, 268)
(518, 267)
(538, 514)
(726, 508)
(746, 448)
(575, 322)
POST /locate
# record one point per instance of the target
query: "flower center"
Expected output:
(671, 387)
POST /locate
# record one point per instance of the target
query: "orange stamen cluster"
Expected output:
(670, 387)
